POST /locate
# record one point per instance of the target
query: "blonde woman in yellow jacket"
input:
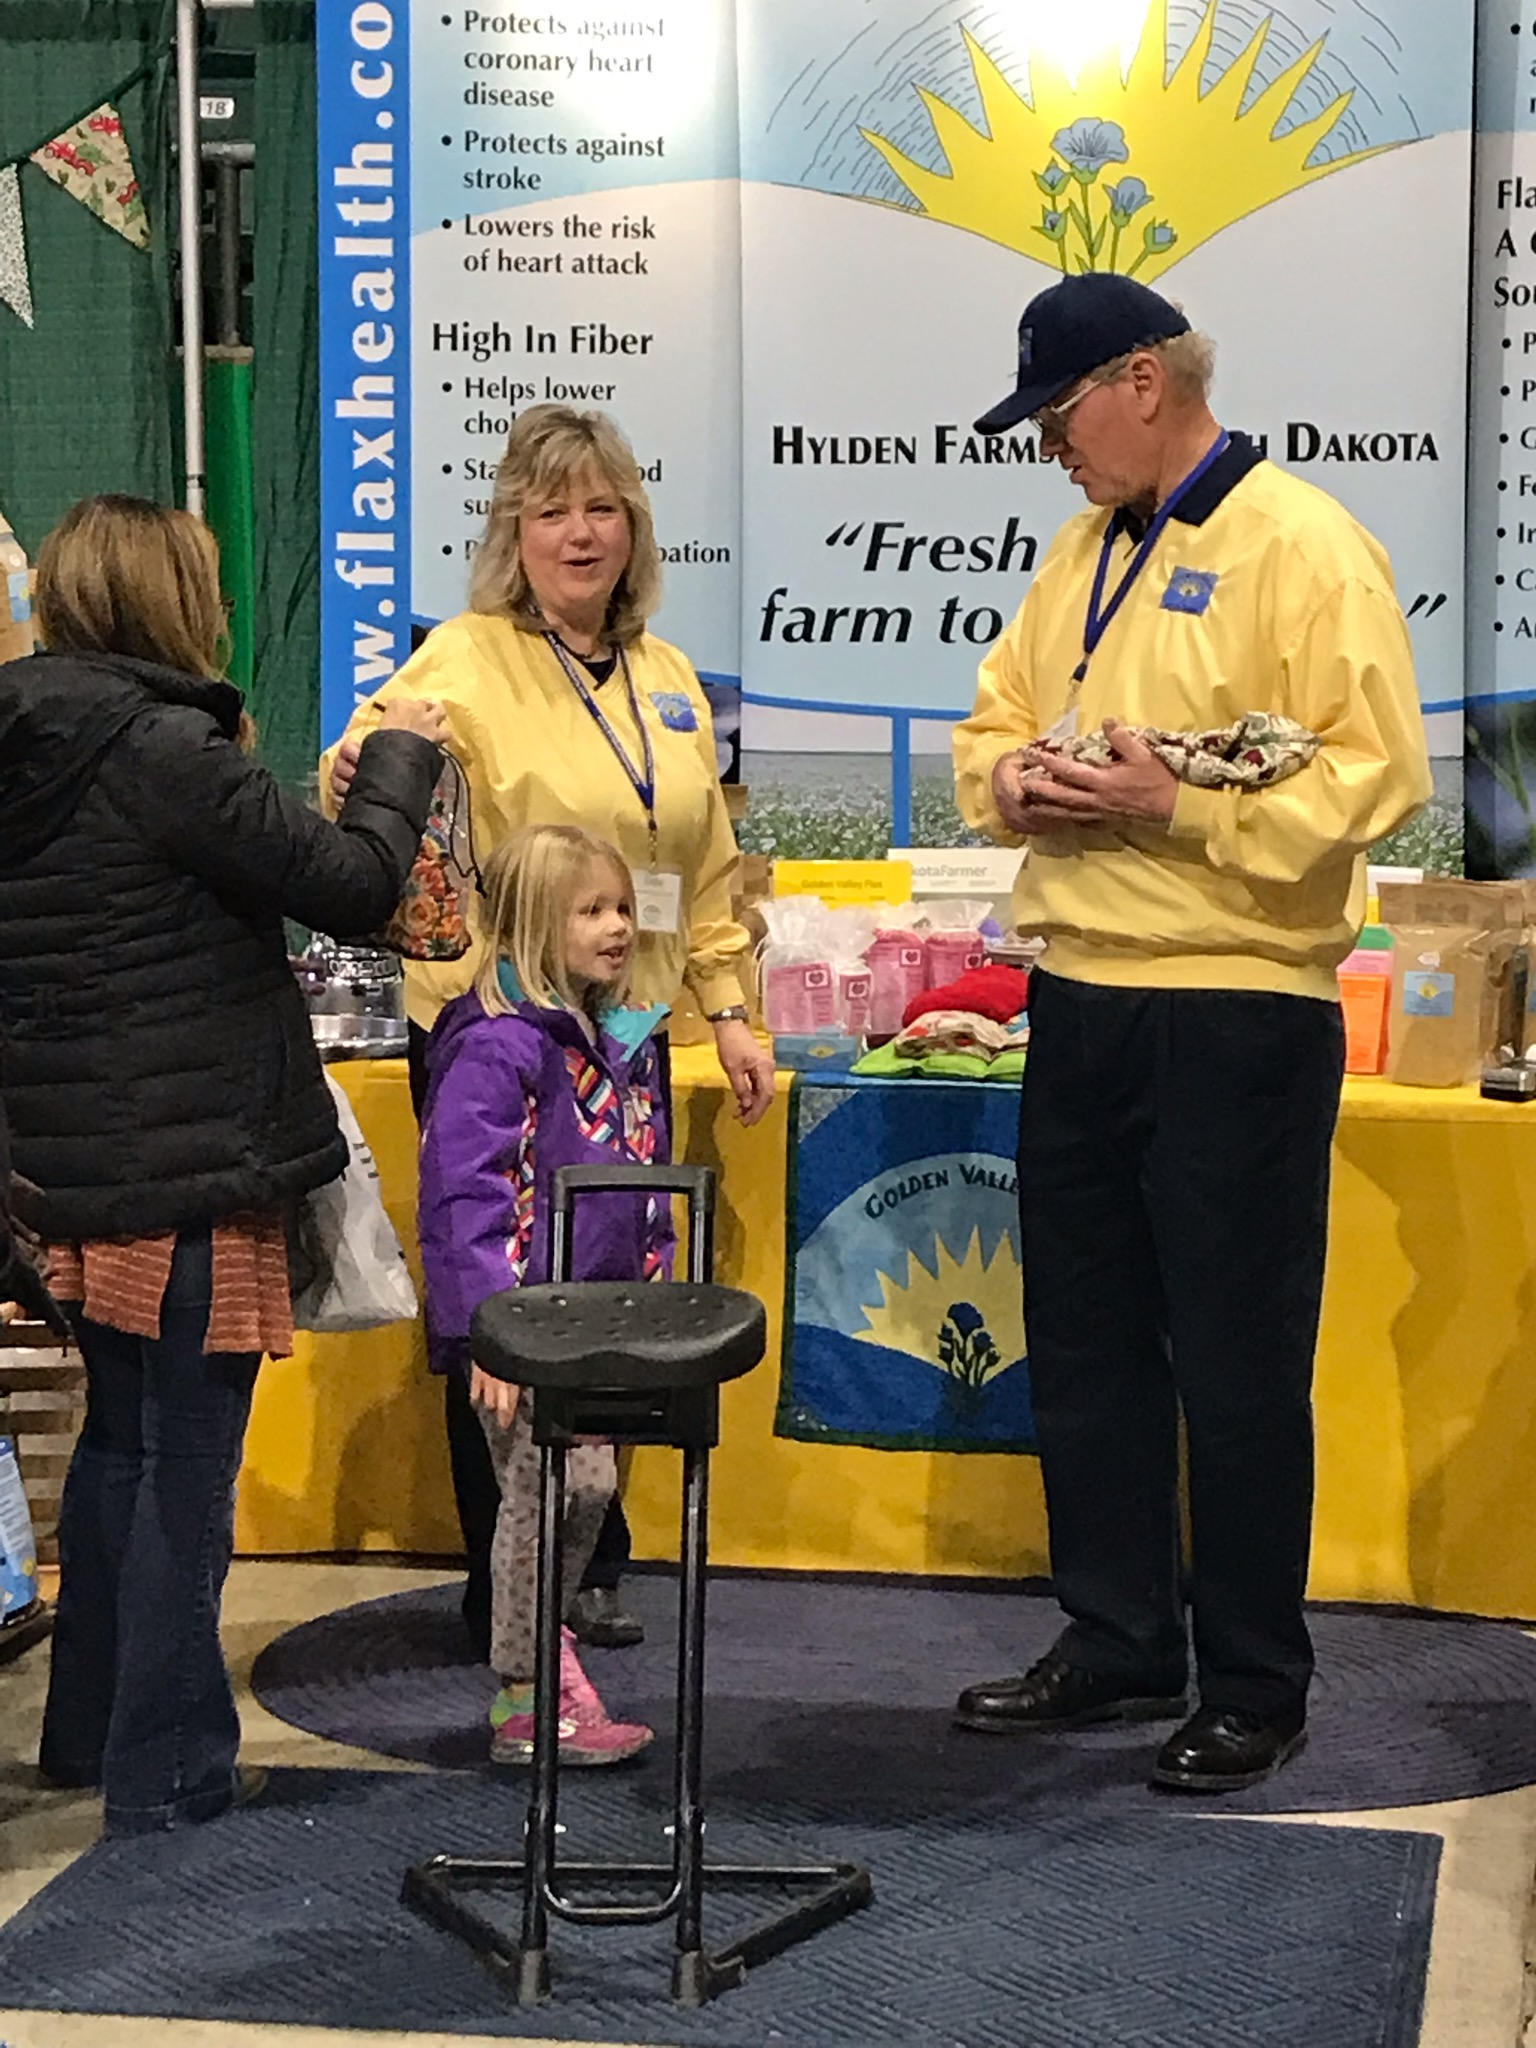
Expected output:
(541, 682)
(564, 710)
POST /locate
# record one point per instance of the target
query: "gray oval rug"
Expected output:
(830, 1689)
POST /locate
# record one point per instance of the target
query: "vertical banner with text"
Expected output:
(1501, 484)
(363, 111)
(576, 239)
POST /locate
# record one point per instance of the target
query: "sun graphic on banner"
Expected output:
(1121, 171)
(964, 1316)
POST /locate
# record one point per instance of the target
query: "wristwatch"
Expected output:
(736, 1013)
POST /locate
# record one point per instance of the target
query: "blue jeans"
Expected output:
(139, 1700)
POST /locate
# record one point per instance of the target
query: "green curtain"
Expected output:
(86, 394)
(285, 687)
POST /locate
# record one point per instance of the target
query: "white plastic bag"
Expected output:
(18, 1551)
(350, 1273)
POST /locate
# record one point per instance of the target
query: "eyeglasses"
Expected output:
(1051, 420)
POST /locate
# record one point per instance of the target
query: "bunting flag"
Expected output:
(92, 163)
(15, 286)
(89, 161)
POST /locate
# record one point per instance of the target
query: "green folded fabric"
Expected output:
(886, 1064)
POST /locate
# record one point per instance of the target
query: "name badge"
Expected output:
(658, 901)
(1065, 727)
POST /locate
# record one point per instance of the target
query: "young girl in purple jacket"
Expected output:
(540, 1066)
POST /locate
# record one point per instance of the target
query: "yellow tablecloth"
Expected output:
(1426, 1387)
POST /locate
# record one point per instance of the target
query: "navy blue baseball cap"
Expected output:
(1074, 327)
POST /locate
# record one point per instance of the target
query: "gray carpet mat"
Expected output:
(839, 1691)
(1043, 1931)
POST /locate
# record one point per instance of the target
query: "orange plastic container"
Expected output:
(1366, 999)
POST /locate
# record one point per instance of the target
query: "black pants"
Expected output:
(475, 1492)
(1173, 1191)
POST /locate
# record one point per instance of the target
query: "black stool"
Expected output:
(640, 1365)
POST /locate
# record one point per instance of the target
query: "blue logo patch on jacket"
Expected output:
(677, 713)
(1189, 590)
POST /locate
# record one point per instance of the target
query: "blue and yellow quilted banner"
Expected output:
(904, 1316)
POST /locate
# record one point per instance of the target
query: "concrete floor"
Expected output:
(1478, 1978)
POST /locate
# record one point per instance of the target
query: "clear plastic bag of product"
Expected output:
(954, 943)
(850, 932)
(897, 962)
(795, 976)
(855, 994)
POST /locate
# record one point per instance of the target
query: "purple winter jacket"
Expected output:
(509, 1099)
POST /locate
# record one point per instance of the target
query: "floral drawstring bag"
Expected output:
(431, 920)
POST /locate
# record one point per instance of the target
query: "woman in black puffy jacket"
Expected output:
(165, 1098)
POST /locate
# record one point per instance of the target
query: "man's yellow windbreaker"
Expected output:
(1289, 608)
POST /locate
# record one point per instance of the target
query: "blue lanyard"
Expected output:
(1096, 625)
(643, 784)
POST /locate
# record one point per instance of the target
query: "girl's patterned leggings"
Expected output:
(590, 1477)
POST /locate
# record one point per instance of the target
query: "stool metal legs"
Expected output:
(539, 1835)
(438, 1888)
(688, 1807)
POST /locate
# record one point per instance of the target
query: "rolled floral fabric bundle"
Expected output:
(1255, 750)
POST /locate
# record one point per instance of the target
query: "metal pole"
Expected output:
(188, 21)
(226, 220)
(901, 779)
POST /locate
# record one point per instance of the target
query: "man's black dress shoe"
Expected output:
(595, 1615)
(1056, 1693)
(1225, 1749)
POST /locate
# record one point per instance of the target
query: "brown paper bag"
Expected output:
(1452, 946)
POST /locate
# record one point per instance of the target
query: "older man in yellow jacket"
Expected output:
(1186, 1053)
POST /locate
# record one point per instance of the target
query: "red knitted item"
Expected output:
(996, 992)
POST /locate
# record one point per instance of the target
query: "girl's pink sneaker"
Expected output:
(588, 1735)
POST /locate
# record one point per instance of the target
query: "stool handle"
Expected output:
(696, 1182)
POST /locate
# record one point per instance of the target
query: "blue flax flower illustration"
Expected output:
(1126, 198)
(1051, 179)
(966, 1350)
(1156, 237)
(1088, 145)
(1053, 226)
